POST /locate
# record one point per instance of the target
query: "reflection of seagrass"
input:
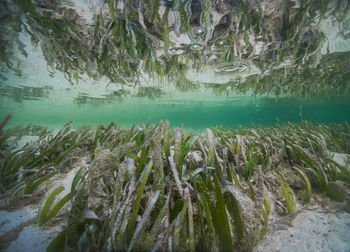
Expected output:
(155, 188)
(266, 47)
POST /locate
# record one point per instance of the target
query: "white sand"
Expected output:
(31, 239)
(10, 220)
(312, 230)
(341, 158)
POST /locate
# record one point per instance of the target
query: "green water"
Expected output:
(199, 64)
(195, 113)
(94, 62)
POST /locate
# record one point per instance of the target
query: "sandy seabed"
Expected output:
(315, 228)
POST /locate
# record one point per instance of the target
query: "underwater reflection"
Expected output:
(298, 49)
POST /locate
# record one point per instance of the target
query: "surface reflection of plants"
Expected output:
(329, 77)
(25, 93)
(9, 39)
(150, 92)
(84, 99)
(154, 188)
(220, 89)
(141, 34)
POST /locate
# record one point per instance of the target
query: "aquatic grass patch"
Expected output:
(48, 211)
(308, 191)
(23, 171)
(288, 194)
(152, 187)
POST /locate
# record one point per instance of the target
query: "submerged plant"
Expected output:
(48, 212)
(26, 169)
(155, 188)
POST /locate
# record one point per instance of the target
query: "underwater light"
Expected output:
(221, 42)
(196, 47)
(176, 50)
(199, 30)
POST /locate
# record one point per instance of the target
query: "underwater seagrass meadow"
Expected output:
(174, 125)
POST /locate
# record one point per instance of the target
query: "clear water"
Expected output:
(199, 64)
(190, 111)
(196, 63)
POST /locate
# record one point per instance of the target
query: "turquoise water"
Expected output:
(94, 62)
(199, 64)
(195, 113)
